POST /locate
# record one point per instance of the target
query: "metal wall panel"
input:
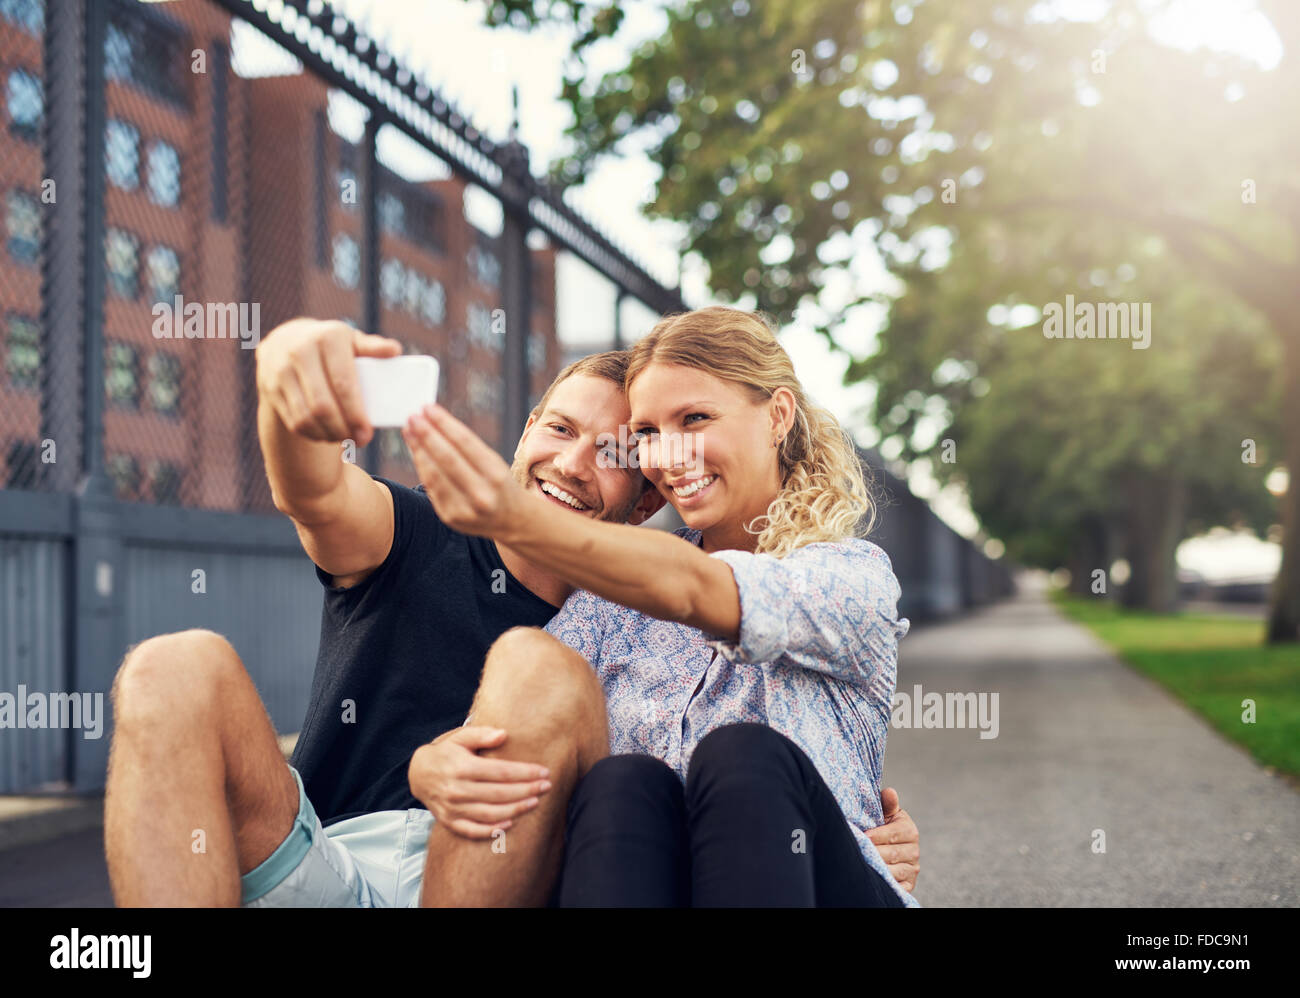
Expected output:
(267, 605)
(944, 579)
(901, 531)
(33, 622)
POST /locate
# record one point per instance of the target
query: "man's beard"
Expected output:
(527, 476)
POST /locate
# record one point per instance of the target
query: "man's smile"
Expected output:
(561, 496)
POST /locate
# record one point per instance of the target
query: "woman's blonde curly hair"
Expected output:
(824, 495)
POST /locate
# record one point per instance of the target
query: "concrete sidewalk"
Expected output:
(1084, 743)
(52, 849)
(28, 819)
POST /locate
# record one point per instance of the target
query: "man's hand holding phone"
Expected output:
(307, 372)
(330, 382)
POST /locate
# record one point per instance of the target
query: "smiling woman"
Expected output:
(707, 374)
(748, 672)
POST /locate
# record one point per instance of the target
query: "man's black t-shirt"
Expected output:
(401, 654)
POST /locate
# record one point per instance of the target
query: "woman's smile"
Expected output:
(690, 492)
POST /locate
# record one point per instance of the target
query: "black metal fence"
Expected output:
(178, 179)
(175, 180)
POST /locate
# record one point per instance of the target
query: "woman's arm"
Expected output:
(474, 492)
(827, 607)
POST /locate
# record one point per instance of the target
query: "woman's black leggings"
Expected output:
(755, 826)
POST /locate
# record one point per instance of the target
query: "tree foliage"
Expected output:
(994, 153)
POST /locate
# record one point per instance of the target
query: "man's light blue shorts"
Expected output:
(369, 861)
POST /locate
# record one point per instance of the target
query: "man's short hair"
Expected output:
(610, 365)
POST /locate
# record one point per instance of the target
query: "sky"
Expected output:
(476, 67)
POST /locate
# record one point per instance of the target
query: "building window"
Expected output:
(23, 222)
(165, 482)
(536, 351)
(124, 472)
(117, 53)
(484, 391)
(392, 279)
(347, 261)
(23, 352)
(163, 271)
(402, 287)
(409, 211)
(484, 266)
(345, 182)
(392, 213)
(26, 14)
(122, 375)
(122, 154)
(122, 253)
(164, 383)
(164, 175)
(413, 292)
(433, 303)
(143, 48)
(25, 98)
(479, 321)
(424, 220)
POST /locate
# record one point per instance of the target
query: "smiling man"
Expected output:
(421, 627)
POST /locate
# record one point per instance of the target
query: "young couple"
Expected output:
(702, 723)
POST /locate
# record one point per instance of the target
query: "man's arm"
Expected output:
(898, 841)
(309, 401)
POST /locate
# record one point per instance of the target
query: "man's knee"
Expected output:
(538, 680)
(184, 662)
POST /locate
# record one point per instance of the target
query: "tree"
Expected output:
(1078, 453)
(796, 139)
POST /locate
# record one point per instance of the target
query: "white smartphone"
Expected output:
(395, 388)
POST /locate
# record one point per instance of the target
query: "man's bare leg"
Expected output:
(547, 699)
(193, 750)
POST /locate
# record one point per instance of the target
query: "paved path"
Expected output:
(65, 872)
(1084, 743)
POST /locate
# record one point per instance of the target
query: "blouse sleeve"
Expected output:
(580, 625)
(829, 607)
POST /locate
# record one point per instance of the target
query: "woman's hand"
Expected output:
(474, 492)
(898, 841)
(470, 795)
(472, 489)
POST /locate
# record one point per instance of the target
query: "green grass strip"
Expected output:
(1212, 664)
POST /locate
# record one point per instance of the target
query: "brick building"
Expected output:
(226, 186)
(21, 87)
